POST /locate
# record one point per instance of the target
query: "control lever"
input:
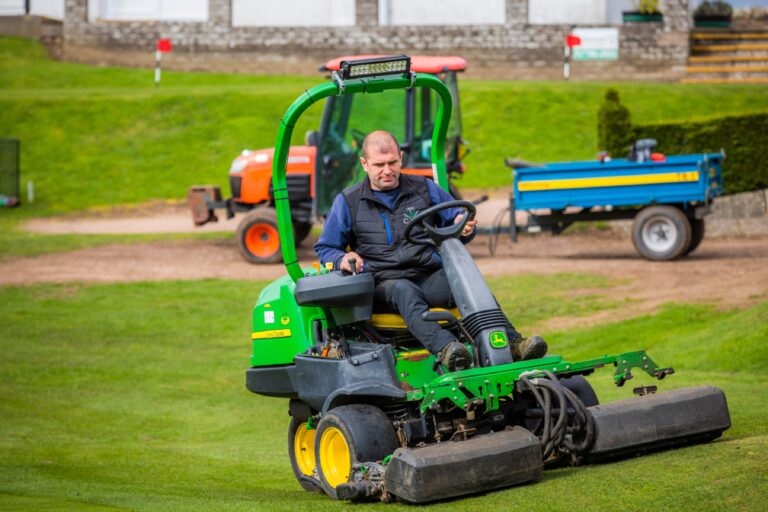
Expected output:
(353, 265)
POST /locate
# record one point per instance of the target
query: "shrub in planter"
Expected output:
(713, 14)
(645, 11)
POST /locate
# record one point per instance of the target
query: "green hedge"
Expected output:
(744, 139)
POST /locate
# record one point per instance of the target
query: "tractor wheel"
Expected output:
(582, 389)
(661, 233)
(347, 435)
(301, 231)
(258, 236)
(301, 451)
(697, 235)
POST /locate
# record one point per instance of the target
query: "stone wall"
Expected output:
(515, 49)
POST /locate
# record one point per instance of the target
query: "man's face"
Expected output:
(383, 166)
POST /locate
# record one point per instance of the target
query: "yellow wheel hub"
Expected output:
(335, 460)
(304, 449)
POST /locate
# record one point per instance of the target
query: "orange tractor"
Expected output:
(329, 160)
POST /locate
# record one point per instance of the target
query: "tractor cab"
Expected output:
(409, 114)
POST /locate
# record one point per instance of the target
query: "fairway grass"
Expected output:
(132, 396)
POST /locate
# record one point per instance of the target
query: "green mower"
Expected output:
(375, 416)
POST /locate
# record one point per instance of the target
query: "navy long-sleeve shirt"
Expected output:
(337, 231)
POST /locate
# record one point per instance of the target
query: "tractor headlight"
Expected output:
(238, 164)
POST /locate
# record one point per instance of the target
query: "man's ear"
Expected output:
(363, 163)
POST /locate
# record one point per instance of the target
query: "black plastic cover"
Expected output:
(350, 297)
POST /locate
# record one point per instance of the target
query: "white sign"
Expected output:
(596, 44)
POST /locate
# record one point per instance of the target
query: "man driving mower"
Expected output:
(370, 218)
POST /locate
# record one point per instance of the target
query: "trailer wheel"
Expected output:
(697, 235)
(301, 231)
(258, 237)
(301, 451)
(661, 233)
(349, 434)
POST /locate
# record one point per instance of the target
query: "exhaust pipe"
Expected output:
(652, 422)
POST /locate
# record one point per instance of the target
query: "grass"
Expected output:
(106, 136)
(131, 396)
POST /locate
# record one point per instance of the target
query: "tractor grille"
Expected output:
(476, 322)
(298, 187)
(235, 183)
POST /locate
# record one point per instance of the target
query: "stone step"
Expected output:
(738, 47)
(726, 80)
(701, 59)
(740, 36)
(727, 69)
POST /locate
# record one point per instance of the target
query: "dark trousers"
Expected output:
(411, 298)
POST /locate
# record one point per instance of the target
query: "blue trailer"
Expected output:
(667, 197)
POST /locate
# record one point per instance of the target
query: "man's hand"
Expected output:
(344, 265)
(469, 228)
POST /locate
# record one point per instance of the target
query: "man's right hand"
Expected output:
(344, 265)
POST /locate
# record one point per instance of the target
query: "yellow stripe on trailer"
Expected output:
(276, 333)
(610, 181)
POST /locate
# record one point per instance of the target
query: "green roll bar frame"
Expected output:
(338, 88)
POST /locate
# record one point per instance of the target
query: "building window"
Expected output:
(293, 13)
(568, 12)
(441, 12)
(153, 10)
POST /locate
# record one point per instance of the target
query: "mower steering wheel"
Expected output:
(434, 235)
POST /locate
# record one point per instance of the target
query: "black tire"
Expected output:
(697, 234)
(258, 237)
(454, 191)
(301, 451)
(301, 231)
(661, 233)
(582, 389)
(347, 435)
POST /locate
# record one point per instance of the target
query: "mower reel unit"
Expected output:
(375, 416)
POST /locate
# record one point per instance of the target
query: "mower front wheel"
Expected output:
(301, 451)
(347, 435)
(258, 237)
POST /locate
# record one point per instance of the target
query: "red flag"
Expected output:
(571, 40)
(164, 45)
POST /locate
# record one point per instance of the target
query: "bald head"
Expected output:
(381, 140)
(381, 160)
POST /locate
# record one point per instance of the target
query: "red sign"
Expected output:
(571, 40)
(164, 45)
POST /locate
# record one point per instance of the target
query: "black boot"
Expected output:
(455, 356)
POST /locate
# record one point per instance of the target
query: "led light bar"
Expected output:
(395, 65)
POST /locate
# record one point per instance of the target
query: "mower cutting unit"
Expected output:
(375, 416)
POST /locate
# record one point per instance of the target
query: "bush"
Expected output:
(742, 137)
(613, 125)
(718, 8)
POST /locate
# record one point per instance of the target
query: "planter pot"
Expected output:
(712, 21)
(639, 17)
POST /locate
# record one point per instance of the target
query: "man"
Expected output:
(370, 218)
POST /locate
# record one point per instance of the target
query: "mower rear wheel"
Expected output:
(301, 451)
(347, 435)
(582, 389)
(301, 231)
(258, 237)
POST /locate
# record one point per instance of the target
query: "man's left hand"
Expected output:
(469, 228)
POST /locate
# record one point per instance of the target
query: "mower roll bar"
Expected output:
(322, 91)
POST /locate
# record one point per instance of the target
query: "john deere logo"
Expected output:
(409, 214)
(498, 339)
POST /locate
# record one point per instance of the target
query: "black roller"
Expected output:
(449, 469)
(650, 422)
